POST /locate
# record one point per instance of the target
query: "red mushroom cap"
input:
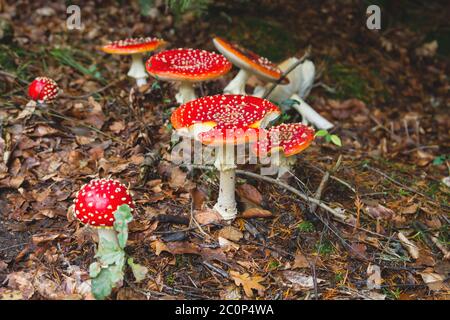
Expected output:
(246, 59)
(97, 201)
(291, 138)
(187, 65)
(231, 119)
(133, 45)
(43, 89)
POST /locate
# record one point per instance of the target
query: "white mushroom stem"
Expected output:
(107, 235)
(185, 93)
(137, 70)
(226, 203)
(237, 85)
(309, 114)
(283, 163)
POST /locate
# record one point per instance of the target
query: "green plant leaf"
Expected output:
(101, 285)
(122, 218)
(94, 269)
(321, 133)
(139, 271)
(111, 257)
(288, 103)
(116, 274)
(336, 140)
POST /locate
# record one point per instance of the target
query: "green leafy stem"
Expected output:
(109, 269)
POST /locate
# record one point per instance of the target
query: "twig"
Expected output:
(283, 76)
(324, 182)
(319, 203)
(212, 267)
(402, 185)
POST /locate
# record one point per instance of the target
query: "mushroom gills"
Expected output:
(137, 70)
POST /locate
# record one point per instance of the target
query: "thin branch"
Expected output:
(284, 75)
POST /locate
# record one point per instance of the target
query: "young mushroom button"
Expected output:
(187, 66)
(249, 63)
(135, 47)
(96, 203)
(224, 121)
(43, 90)
(282, 142)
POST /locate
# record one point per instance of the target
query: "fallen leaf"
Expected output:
(300, 261)
(380, 211)
(249, 193)
(300, 280)
(412, 249)
(374, 279)
(207, 216)
(256, 213)
(410, 209)
(248, 283)
(434, 281)
(231, 233)
(117, 126)
(22, 282)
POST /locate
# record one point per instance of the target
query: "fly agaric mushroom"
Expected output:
(284, 141)
(249, 63)
(43, 90)
(135, 47)
(96, 203)
(224, 121)
(187, 66)
(301, 80)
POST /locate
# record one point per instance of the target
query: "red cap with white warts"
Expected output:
(133, 45)
(246, 59)
(43, 89)
(219, 119)
(187, 65)
(290, 138)
(97, 201)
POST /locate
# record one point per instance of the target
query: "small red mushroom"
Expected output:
(135, 47)
(282, 142)
(43, 90)
(187, 66)
(96, 203)
(249, 63)
(224, 121)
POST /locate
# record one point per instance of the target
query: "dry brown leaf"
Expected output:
(207, 216)
(117, 126)
(300, 261)
(300, 280)
(412, 249)
(374, 279)
(410, 209)
(248, 283)
(434, 281)
(177, 178)
(256, 213)
(380, 211)
(249, 193)
(231, 233)
(21, 281)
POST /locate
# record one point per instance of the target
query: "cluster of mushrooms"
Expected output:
(223, 121)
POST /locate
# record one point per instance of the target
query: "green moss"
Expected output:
(348, 83)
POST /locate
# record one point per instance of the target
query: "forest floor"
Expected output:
(387, 92)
